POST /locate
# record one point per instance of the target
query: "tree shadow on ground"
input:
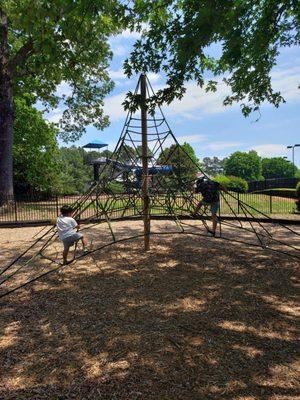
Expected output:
(195, 318)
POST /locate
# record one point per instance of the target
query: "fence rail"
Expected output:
(31, 209)
(273, 184)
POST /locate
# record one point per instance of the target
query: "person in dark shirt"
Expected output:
(210, 191)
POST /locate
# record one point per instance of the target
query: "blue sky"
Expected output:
(201, 119)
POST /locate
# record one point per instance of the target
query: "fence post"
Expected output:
(16, 211)
(56, 202)
(97, 207)
(271, 208)
(238, 210)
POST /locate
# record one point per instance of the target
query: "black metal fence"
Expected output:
(273, 184)
(31, 209)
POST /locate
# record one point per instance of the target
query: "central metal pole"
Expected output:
(145, 156)
(294, 172)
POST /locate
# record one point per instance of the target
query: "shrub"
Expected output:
(232, 183)
(298, 196)
(298, 190)
(116, 187)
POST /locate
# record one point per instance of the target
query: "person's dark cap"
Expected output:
(66, 210)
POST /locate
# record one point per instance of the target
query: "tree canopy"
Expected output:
(249, 34)
(40, 166)
(76, 173)
(277, 167)
(63, 42)
(44, 44)
(36, 154)
(213, 165)
(244, 165)
(183, 159)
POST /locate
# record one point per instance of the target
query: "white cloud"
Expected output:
(113, 107)
(270, 150)
(195, 104)
(191, 138)
(122, 43)
(63, 89)
(215, 146)
(119, 50)
(196, 138)
(55, 115)
(153, 78)
(286, 80)
(113, 104)
(127, 34)
(189, 116)
(117, 74)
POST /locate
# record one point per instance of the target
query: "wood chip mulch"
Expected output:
(194, 318)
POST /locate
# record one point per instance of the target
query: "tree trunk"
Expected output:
(6, 113)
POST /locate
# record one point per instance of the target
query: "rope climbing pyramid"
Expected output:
(149, 164)
(149, 175)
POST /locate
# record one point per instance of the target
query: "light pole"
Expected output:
(293, 155)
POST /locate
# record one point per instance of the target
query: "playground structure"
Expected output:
(126, 172)
(149, 181)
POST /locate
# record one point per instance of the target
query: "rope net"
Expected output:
(118, 195)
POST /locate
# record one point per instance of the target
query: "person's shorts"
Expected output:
(70, 240)
(214, 207)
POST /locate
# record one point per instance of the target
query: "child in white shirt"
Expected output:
(67, 232)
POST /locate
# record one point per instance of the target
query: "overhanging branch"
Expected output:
(21, 55)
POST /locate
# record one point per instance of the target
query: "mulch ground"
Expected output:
(194, 318)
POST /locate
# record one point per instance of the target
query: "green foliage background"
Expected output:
(244, 165)
(53, 42)
(184, 161)
(298, 196)
(277, 167)
(37, 161)
(232, 183)
(40, 166)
